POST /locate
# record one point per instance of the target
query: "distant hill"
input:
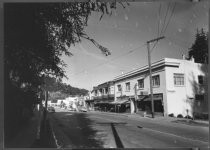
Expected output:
(59, 90)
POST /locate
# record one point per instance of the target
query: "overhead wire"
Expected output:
(170, 17)
(159, 34)
(159, 25)
(164, 30)
(159, 18)
(115, 58)
(165, 18)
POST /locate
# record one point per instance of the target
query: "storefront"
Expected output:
(89, 104)
(122, 104)
(144, 103)
(103, 105)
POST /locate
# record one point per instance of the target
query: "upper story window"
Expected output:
(201, 79)
(106, 90)
(178, 79)
(96, 93)
(141, 83)
(128, 87)
(156, 81)
(119, 88)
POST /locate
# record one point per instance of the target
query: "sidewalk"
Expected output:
(159, 118)
(33, 135)
(27, 136)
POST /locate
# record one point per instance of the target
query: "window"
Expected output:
(199, 97)
(127, 86)
(119, 88)
(200, 79)
(141, 83)
(156, 81)
(106, 91)
(178, 79)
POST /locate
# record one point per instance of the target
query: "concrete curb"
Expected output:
(53, 134)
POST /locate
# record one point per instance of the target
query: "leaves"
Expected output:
(37, 34)
(199, 49)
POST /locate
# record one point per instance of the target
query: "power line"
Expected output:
(162, 26)
(165, 18)
(115, 58)
(159, 19)
(164, 30)
(170, 17)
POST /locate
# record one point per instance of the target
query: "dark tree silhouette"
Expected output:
(35, 36)
(199, 49)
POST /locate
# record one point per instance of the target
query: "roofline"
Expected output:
(162, 62)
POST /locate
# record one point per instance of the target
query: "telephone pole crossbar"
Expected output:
(150, 71)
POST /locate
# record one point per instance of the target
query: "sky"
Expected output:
(125, 34)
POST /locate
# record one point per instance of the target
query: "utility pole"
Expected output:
(150, 71)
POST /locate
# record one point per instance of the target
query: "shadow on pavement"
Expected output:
(75, 130)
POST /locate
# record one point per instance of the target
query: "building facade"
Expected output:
(102, 95)
(179, 87)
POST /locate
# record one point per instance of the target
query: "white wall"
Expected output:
(180, 98)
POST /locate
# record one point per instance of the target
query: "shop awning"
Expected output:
(89, 100)
(103, 102)
(154, 98)
(119, 102)
(141, 97)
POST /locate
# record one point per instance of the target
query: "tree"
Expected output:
(199, 49)
(35, 36)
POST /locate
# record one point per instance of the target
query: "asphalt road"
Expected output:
(105, 130)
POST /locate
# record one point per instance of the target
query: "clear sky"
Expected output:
(125, 33)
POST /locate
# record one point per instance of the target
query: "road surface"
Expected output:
(108, 130)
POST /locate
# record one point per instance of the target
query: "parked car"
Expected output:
(83, 109)
(51, 109)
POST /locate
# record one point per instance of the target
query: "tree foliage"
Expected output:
(35, 36)
(63, 89)
(199, 49)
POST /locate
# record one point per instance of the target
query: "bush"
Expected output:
(171, 115)
(179, 116)
(188, 117)
(202, 116)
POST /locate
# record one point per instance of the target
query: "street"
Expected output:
(109, 130)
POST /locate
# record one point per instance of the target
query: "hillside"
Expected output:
(59, 90)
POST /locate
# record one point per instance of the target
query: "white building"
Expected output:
(178, 87)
